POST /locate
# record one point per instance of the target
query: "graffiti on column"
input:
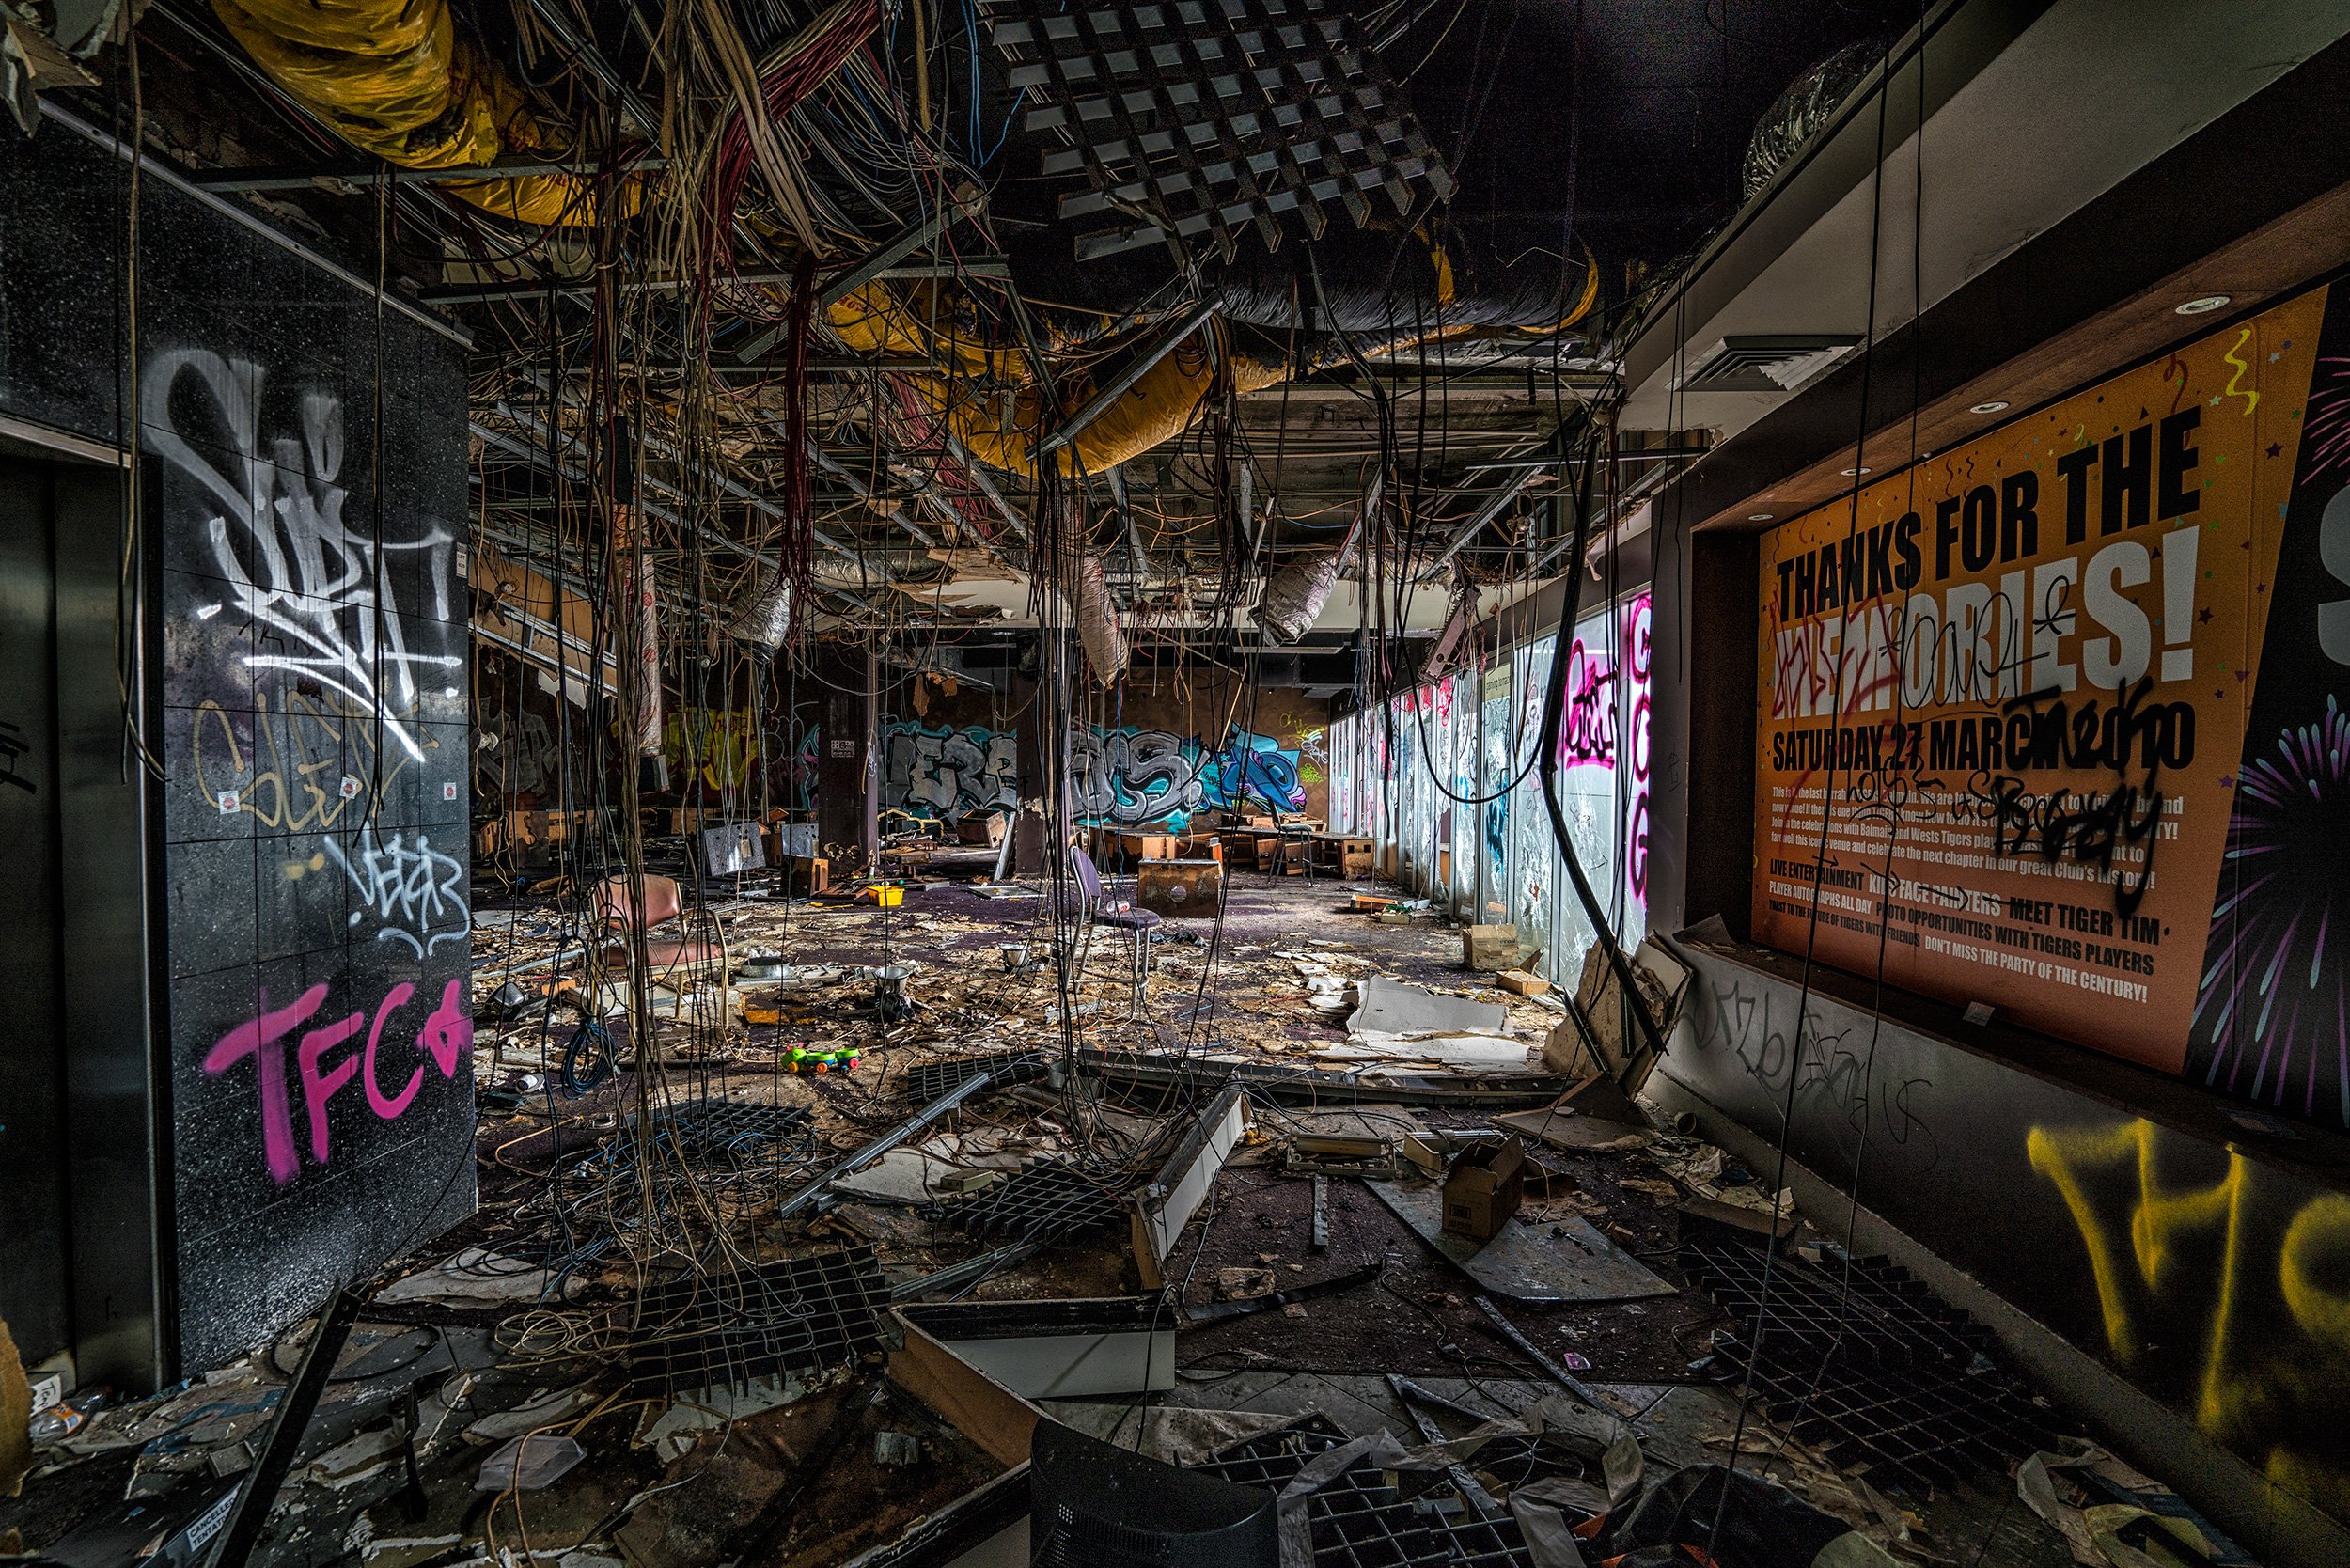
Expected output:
(308, 647)
(1635, 665)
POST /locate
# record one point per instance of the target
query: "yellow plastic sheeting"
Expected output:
(396, 79)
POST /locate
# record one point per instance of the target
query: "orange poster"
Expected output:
(2007, 738)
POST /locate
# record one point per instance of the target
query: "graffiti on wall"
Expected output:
(446, 1037)
(320, 594)
(717, 748)
(1636, 659)
(2220, 1286)
(415, 893)
(945, 774)
(1129, 778)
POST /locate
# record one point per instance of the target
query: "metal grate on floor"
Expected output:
(1521, 1458)
(1881, 1374)
(1359, 1521)
(932, 1079)
(708, 1331)
(1886, 1316)
(727, 1129)
(1043, 1202)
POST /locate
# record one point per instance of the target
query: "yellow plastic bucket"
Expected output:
(889, 895)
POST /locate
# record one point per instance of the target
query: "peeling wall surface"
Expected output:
(304, 505)
(2212, 1275)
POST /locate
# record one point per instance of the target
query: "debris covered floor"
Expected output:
(1182, 1223)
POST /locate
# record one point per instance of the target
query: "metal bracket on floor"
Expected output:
(1162, 1209)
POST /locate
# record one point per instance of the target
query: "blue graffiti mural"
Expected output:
(1132, 777)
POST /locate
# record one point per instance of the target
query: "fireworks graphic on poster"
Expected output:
(2327, 430)
(2273, 1001)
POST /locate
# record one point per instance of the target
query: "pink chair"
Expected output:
(616, 915)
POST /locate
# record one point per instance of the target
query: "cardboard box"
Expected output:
(1519, 984)
(1179, 888)
(979, 829)
(1483, 1188)
(1490, 949)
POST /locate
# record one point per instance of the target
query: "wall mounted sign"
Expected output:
(2053, 720)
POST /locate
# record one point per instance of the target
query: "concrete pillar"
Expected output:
(848, 763)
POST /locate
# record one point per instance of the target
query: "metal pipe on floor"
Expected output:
(852, 1164)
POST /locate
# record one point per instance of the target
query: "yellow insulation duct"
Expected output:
(1160, 406)
(1157, 408)
(396, 78)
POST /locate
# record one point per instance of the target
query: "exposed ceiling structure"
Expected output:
(917, 311)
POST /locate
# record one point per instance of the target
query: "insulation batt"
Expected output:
(1294, 595)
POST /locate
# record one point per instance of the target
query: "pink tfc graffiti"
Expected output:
(260, 1040)
(446, 1035)
(318, 1088)
(388, 1106)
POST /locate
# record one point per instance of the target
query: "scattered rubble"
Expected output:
(790, 1263)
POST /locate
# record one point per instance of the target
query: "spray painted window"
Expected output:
(1343, 775)
(1603, 763)
(1479, 729)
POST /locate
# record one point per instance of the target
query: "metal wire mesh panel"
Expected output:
(1872, 1368)
(1203, 120)
(1359, 1521)
(704, 1330)
(1937, 1423)
(1044, 1201)
(734, 1129)
(1880, 1315)
(932, 1079)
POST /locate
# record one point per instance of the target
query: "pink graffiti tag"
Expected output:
(446, 1035)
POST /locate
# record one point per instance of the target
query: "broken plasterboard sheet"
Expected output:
(671, 1436)
(1391, 1007)
(903, 1175)
(474, 1277)
(1445, 1050)
(1555, 1260)
(1570, 1129)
